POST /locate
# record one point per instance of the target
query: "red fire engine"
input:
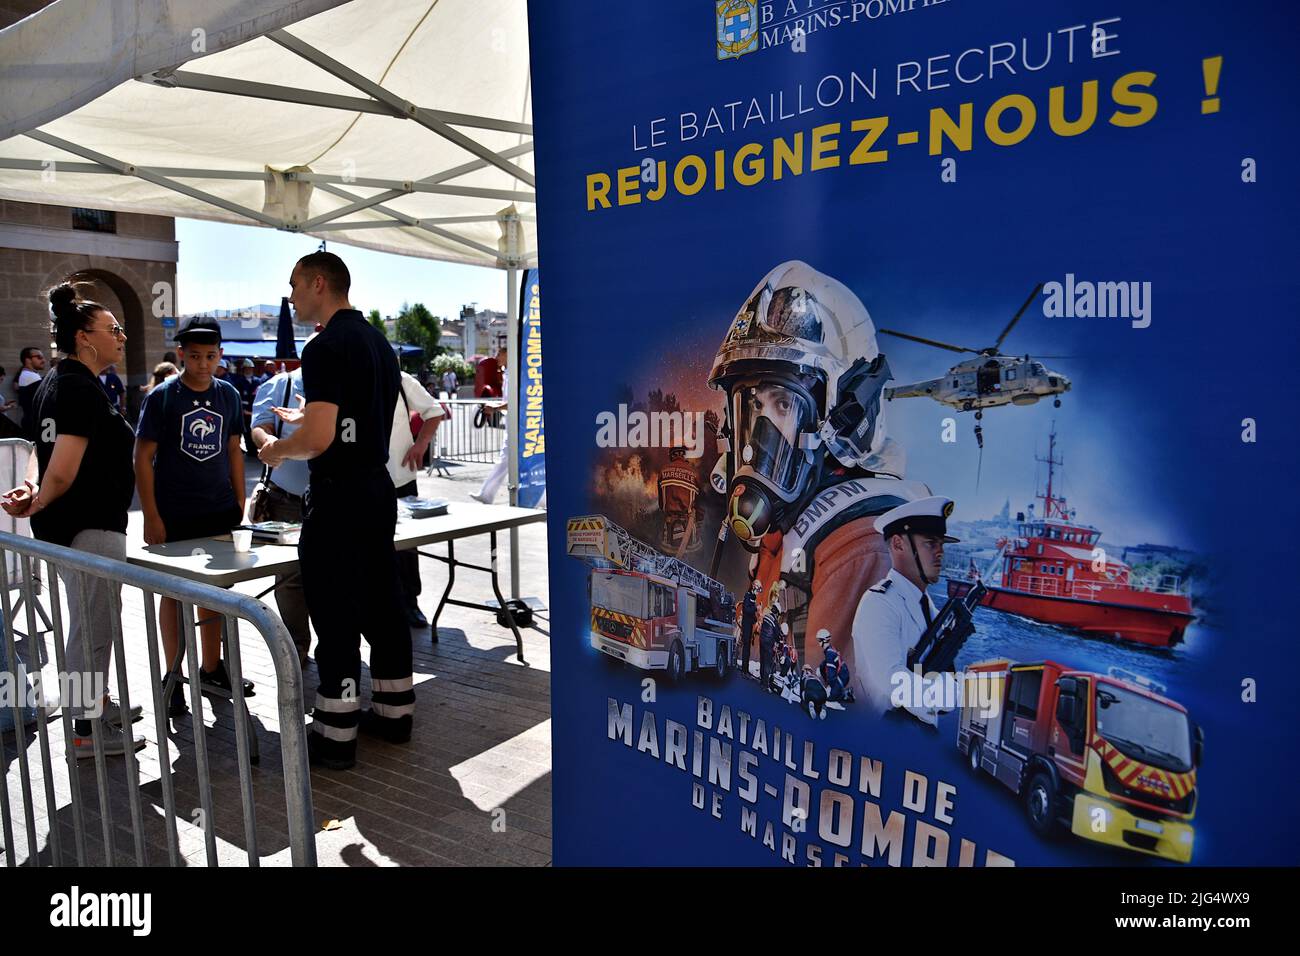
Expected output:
(650, 610)
(1108, 756)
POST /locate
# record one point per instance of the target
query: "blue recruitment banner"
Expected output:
(865, 301)
(532, 424)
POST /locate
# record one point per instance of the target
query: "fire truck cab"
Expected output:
(1105, 755)
(649, 610)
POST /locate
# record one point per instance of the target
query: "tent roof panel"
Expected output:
(72, 51)
(461, 56)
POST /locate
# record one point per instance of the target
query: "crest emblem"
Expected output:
(737, 27)
(741, 326)
(201, 430)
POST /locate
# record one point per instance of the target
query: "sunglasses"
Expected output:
(115, 330)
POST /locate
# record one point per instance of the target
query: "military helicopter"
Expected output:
(989, 380)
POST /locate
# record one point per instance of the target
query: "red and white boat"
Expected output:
(1052, 571)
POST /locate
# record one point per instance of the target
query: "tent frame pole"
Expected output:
(437, 221)
(184, 79)
(512, 411)
(417, 186)
(511, 254)
(419, 115)
(431, 184)
(474, 165)
(406, 220)
(350, 208)
(149, 175)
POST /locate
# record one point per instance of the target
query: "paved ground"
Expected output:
(472, 787)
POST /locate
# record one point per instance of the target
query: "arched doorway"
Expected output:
(118, 293)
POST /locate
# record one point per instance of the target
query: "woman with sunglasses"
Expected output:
(78, 489)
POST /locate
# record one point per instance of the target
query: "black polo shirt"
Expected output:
(350, 364)
(72, 402)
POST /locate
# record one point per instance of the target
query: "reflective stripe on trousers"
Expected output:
(393, 698)
(349, 575)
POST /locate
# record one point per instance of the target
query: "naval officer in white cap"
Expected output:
(892, 616)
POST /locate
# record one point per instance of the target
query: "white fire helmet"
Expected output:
(801, 370)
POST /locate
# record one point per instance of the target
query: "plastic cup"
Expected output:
(243, 538)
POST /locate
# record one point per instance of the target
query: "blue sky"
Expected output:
(224, 266)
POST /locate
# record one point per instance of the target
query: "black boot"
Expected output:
(330, 754)
(396, 730)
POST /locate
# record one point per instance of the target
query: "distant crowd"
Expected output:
(246, 375)
(16, 396)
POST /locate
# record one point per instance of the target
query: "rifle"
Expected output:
(937, 649)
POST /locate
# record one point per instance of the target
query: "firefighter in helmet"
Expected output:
(833, 671)
(678, 488)
(806, 462)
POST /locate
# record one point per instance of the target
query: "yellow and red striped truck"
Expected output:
(648, 609)
(1106, 755)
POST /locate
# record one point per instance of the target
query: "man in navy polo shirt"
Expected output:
(189, 472)
(349, 566)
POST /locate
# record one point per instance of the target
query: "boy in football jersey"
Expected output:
(189, 472)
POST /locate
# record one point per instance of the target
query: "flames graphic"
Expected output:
(625, 483)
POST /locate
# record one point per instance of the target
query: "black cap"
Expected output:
(200, 329)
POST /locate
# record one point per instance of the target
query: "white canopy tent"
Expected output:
(397, 125)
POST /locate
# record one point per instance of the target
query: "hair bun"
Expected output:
(62, 297)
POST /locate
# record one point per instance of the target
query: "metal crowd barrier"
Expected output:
(14, 455)
(48, 795)
(471, 432)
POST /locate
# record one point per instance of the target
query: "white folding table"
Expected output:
(215, 561)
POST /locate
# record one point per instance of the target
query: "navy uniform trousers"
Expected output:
(349, 578)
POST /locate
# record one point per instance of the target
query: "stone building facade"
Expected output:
(127, 262)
